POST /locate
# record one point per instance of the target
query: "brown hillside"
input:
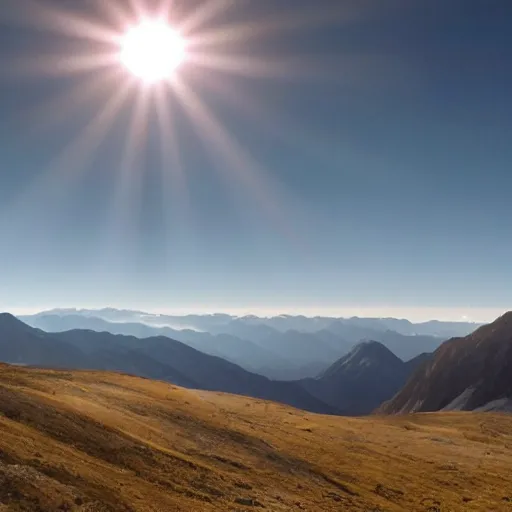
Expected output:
(91, 441)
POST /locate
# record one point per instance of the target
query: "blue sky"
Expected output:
(372, 175)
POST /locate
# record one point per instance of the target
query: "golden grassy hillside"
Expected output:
(91, 441)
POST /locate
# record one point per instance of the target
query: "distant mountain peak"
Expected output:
(366, 354)
(372, 349)
(369, 345)
(361, 380)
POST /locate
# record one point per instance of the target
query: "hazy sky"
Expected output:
(358, 165)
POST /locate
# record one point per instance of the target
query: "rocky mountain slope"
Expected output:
(464, 374)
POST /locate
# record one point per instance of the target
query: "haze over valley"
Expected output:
(283, 347)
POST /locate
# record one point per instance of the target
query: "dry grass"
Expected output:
(91, 441)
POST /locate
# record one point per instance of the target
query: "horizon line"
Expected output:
(411, 314)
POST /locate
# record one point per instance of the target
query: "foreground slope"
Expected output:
(93, 441)
(468, 373)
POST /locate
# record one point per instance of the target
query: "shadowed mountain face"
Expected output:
(360, 381)
(464, 374)
(415, 362)
(23, 345)
(155, 357)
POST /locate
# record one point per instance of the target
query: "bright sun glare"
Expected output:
(152, 51)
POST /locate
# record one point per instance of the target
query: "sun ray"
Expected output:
(242, 65)
(114, 11)
(319, 148)
(62, 64)
(60, 107)
(137, 131)
(165, 10)
(125, 207)
(75, 156)
(233, 157)
(59, 21)
(274, 123)
(86, 63)
(137, 8)
(172, 169)
(241, 32)
(304, 68)
(85, 145)
(201, 15)
(93, 135)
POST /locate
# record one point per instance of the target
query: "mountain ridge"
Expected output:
(464, 373)
(277, 354)
(282, 323)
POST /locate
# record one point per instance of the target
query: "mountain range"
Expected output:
(281, 348)
(327, 373)
(284, 356)
(352, 385)
(220, 322)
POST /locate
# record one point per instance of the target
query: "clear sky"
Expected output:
(355, 159)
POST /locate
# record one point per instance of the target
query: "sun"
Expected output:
(152, 51)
